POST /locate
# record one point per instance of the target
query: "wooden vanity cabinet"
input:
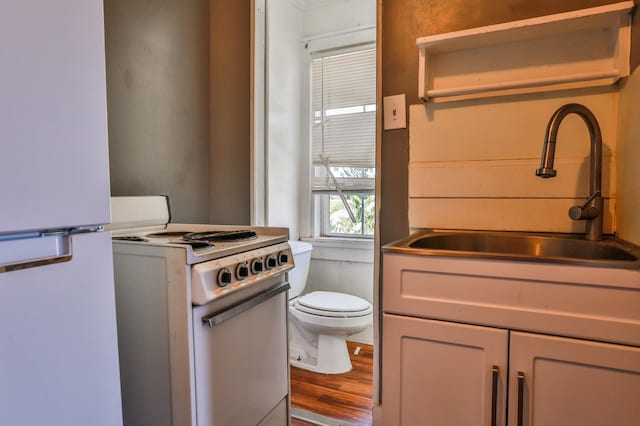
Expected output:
(445, 374)
(469, 343)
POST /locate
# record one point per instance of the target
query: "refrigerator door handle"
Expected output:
(26, 253)
(34, 263)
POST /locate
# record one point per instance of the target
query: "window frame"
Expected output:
(319, 201)
(325, 215)
(355, 38)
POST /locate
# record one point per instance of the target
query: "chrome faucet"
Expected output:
(592, 210)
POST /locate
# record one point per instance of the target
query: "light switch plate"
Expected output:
(395, 112)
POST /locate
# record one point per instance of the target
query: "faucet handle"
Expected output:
(585, 211)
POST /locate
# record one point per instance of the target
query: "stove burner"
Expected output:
(130, 238)
(239, 235)
(197, 245)
(168, 234)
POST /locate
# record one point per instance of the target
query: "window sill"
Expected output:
(341, 249)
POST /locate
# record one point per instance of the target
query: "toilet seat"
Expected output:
(332, 304)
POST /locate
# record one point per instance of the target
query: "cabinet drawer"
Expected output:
(592, 303)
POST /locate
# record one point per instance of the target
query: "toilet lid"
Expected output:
(329, 303)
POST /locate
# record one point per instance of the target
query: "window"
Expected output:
(343, 96)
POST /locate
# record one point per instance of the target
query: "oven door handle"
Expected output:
(219, 317)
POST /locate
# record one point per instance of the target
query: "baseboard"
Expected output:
(318, 419)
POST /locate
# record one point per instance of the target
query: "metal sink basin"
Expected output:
(557, 248)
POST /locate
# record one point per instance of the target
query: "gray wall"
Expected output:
(157, 54)
(230, 78)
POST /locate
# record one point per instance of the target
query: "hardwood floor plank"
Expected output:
(347, 397)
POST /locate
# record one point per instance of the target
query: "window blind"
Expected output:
(343, 95)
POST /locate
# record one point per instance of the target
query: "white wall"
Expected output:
(284, 62)
(288, 105)
(339, 15)
(344, 277)
(472, 163)
(342, 267)
(349, 268)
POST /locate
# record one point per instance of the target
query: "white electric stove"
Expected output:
(202, 319)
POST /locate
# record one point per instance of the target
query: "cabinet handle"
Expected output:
(495, 377)
(521, 384)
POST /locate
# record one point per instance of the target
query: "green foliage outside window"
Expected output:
(362, 205)
(363, 208)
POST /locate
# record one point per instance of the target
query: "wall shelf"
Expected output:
(582, 48)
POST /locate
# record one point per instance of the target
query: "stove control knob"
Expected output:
(283, 258)
(224, 277)
(256, 266)
(242, 271)
(272, 262)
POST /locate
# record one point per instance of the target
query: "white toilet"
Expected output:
(320, 321)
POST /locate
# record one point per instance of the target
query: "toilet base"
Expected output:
(332, 352)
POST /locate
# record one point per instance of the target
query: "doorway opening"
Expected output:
(313, 168)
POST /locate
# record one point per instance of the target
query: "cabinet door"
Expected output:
(560, 381)
(442, 374)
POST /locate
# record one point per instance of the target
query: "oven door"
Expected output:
(241, 362)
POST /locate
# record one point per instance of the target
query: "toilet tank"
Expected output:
(298, 275)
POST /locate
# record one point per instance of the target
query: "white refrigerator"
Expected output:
(58, 342)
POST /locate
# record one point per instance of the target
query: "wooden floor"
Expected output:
(346, 397)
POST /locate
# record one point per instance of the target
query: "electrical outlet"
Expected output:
(395, 112)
